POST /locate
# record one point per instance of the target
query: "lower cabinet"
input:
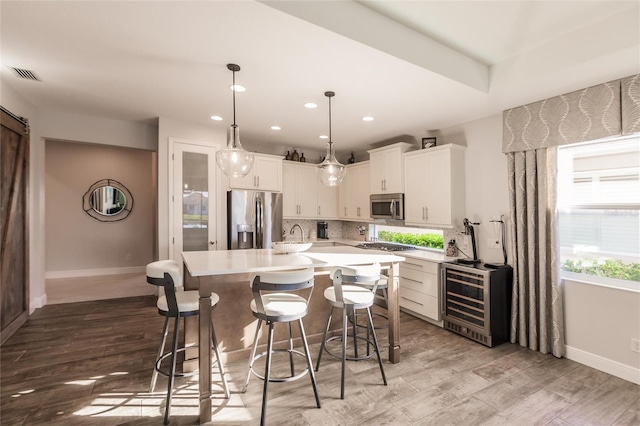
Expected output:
(420, 288)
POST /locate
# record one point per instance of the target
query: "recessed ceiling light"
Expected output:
(367, 118)
(237, 88)
(216, 118)
(276, 128)
(324, 137)
(310, 105)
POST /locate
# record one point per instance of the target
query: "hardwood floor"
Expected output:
(90, 363)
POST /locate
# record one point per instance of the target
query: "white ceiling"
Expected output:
(416, 66)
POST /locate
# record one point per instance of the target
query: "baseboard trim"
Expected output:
(614, 368)
(93, 272)
(37, 303)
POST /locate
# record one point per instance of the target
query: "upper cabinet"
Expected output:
(265, 175)
(435, 186)
(299, 190)
(304, 196)
(387, 169)
(354, 193)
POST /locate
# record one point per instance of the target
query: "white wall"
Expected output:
(486, 177)
(79, 245)
(599, 321)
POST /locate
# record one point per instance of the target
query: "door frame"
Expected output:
(218, 188)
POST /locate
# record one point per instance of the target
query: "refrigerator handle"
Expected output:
(259, 223)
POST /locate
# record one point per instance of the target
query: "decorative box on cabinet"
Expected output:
(477, 302)
(299, 191)
(265, 175)
(354, 193)
(420, 288)
(387, 169)
(435, 186)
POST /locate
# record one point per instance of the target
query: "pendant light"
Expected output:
(330, 171)
(234, 161)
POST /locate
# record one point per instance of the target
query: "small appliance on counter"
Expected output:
(323, 231)
(468, 230)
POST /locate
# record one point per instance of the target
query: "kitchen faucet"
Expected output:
(301, 230)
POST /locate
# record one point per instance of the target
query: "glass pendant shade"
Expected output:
(234, 161)
(330, 171)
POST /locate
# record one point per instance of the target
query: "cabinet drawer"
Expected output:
(420, 303)
(419, 281)
(420, 265)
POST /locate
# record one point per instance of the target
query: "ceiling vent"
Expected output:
(26, 74)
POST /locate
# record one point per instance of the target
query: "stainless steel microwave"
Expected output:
(387, 206)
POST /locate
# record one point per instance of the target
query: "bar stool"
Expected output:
(349, 298)
(176, 303)
(273, 302)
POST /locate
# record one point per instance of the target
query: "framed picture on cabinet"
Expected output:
(428, 142)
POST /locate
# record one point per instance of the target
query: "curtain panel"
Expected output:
(605, 110)
(537, 310)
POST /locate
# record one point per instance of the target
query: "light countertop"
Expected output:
(429, 255)
(223, 262)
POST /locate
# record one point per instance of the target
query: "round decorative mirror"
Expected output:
(107, 201)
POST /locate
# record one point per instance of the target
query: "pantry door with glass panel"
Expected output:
(193, 222)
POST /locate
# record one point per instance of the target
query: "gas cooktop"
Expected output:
(385, 246)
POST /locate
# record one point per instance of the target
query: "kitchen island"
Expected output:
(228, 273)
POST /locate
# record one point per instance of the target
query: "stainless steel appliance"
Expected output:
(323, 230)
(254, 219)
(477, 302)
(387, 206)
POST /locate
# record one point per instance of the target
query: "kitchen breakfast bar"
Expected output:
(230, 269)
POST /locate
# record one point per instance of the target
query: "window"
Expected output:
(599, 211)
(427, 238)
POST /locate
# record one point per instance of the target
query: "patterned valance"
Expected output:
(631, 104)
(605, 110)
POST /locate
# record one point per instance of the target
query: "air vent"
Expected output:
(26, 74)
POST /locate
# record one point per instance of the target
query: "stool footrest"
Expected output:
(279, 379)
(348, 358)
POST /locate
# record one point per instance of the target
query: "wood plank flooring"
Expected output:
(90, 363)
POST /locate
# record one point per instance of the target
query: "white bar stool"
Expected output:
(176, 303)
(349, 298)
(274, 302)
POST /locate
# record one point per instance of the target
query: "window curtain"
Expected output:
(536, 310)
(531, 135)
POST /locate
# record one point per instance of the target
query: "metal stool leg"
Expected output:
(309, 363)
(154, 376)
(214, 340)
(253, 355)
(324, 337)
(344, 350)
(172, 373)
(375, 343)
(293, 371)
(355, 332)
(267, 371)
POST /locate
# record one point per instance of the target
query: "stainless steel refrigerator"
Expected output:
(254, 219)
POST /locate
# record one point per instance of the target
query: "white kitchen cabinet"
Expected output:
(327, 201)
(354, 193)
(265, 175)
(299, 190)
(435, 186)
(387, 169)
(420, 290)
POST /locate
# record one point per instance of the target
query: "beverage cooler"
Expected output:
(477, 302)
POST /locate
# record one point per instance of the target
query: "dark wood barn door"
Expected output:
(14, 232)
